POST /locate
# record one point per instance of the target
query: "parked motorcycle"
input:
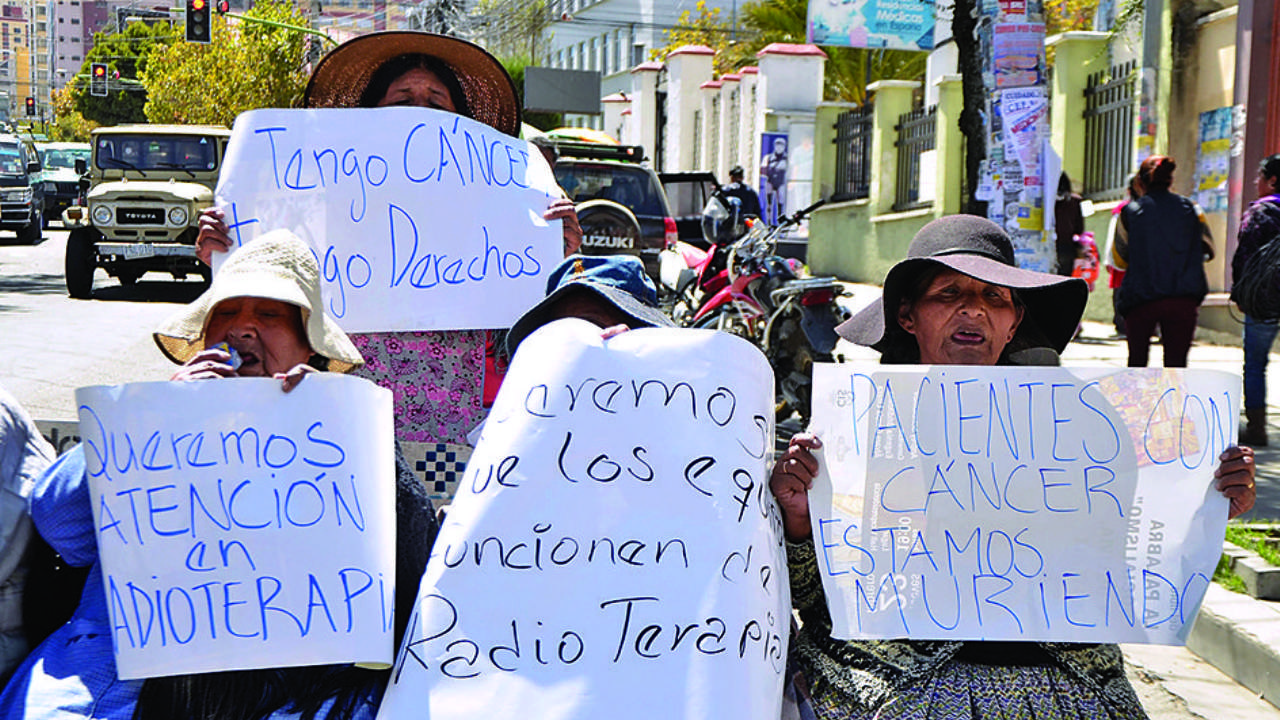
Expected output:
(792, 319)
(690, 275)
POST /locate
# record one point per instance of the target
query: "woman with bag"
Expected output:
(1260, 226)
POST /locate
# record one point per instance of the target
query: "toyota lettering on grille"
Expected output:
(138, 216)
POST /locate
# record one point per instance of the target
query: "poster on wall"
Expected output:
(1213, 160)
(1018, 54)
(892, 24)
(774, 158)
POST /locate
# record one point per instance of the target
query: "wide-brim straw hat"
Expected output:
(276, 266)
(341, 77)
(619, 280)
(981, 249)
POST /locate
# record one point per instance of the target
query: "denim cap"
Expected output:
(619, 280)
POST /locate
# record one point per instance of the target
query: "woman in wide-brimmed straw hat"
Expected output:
(263, 309)
(441, 380)
(956, 299)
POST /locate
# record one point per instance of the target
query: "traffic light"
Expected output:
(198, 28)
(31, 107)
(222, 6)
(98, 79)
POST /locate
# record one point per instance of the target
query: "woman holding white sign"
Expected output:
(957, 299)
(261, 317)
(441, 380)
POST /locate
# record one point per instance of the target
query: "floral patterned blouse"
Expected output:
(437, 379)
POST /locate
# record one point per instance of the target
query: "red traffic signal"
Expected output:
(98, 79)
(222, 6)
(99, 71)
(31, 107)
(198, 29)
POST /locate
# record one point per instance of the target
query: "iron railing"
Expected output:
(1108, 131)
(853, 154)
(917, 133)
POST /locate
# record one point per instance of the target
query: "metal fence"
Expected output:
(917, 133)
(853, 154)
(1108, 131)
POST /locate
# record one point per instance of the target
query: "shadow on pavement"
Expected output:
(43, 284)
(156, 291)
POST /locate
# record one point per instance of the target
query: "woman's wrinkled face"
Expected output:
(418, 88)
(960, 320)
(267, 334)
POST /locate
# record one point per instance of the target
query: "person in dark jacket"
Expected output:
(1260, 226)
(1068, 222)
(735, 188)
(1164, 243)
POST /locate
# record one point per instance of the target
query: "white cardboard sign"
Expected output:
(420, 219)
(1055, 504)
(613, 550)
(241, 527)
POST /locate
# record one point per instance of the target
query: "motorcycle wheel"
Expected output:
(730, 320)
(792, 359)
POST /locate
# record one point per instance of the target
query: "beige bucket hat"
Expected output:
(275, 266)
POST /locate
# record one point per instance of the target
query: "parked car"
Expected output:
(61, 181)
(21, 188)
(688, 193)
(592, 171)
(147, 186)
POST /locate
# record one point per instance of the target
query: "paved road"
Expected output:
(54, 344)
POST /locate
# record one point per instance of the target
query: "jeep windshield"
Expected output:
(192, 153)
(11, 160)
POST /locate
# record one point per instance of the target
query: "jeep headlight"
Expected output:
(102, 215)
(178, 216)
(20, 195)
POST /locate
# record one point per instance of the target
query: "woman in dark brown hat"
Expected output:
(440, 380)
(956, 299)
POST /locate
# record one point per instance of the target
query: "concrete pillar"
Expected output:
(948, 146)
(892, 99)
(643, 128)
(748, 124)
(613, 106)
(709, 127)
(730, 125)
(791, 83)
(687, 68)
(1078, 55)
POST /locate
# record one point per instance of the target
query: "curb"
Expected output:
(1239, 635)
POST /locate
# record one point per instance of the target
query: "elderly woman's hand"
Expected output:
(1236, 479)
(214, 235)
(206, 364)
(563, 209)
(792, 477)
(294, 376)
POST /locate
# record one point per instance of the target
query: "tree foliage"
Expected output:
(248, 65)
(1068, 15)
(68, 124)
(762, 22)
(126, 55)
(512, 28)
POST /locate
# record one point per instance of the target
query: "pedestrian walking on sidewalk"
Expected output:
(1253, 273)
(1164, 243)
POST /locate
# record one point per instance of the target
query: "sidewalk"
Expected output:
(1236, 633)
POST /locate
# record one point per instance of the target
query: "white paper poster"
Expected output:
(420, 219)
(242, 527)
(613, 549)
(1056, 504)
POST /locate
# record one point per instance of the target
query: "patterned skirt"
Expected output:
(967, 690)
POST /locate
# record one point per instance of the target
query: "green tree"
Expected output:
(126, 55)
(68, 124)
(248, 65)
(513, 29)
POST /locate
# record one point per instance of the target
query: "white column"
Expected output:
(613, 106)
(729, 130)
(791, 86)
(643, 128)
(687, 68)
